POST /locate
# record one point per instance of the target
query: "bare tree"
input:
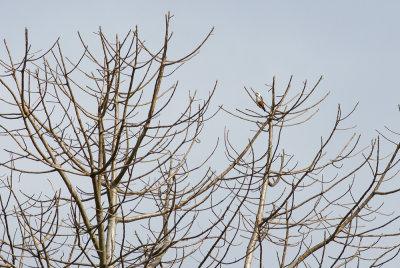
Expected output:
(323, 212)
(106, 127)
(109, 131)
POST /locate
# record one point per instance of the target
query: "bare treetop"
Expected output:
(105, 131)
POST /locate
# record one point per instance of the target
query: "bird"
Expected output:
(260, 101)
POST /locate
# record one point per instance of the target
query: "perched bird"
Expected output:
(260, 101)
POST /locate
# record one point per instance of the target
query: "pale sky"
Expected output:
(355, 45)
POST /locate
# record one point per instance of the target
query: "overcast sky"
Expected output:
(355, 45)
